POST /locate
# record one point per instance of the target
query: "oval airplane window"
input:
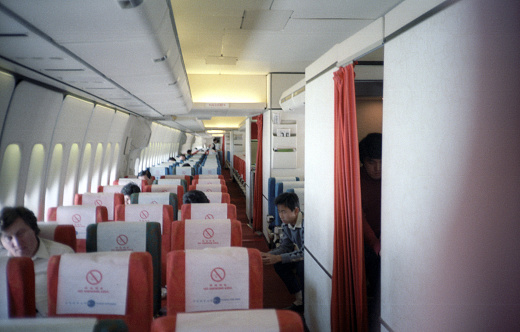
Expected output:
(52, 194)
(9, 174)
(34, 179)
(85, 167)
(70, 177)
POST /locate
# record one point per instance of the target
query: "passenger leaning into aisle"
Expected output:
(287, 259)
(128, 190)
(19, 237)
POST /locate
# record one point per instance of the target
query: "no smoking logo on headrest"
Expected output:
(98, 202)
(94, 277)
(208, 233)
(76, 218)
(154, 202)
(218, 274)
(122, 239)
(209, 216)
(209, 190)
(144, 214)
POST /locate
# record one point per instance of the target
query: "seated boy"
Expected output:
(287, 259)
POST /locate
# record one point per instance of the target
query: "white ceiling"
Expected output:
(130, 58)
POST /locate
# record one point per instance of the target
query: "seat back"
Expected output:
(280, 188)
(176, 182)
(63, 324)
(185, 177)
(196, 279)
(218, 197)
(179, 170)
(165, 188)
(200, 234)
(209, 187)
(111, 189)
(65, 234)
(208, 176)
(271, 184)
(209, 181)
(107, 285)
(208, 211)
(80, 216)
(161, 198)
(17, 287)
(231, 321)
(210, 170)
(110, 200)
(130, 236)
(125, 181)
(300, 192)
(151, 212)
(158, 171)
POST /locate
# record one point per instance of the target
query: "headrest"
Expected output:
(121, 236)
(93, 283)
(200, 234)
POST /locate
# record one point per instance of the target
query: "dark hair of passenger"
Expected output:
(188, 152)
(11, 214)
(172, 159)
(145, 173)
(130, 188)
(186, 165)
(371, 147)
(290, 200)
(194, 196)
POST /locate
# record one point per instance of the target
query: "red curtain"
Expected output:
(349, 303)
(258, 200)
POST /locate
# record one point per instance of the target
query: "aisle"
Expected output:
(276, 294)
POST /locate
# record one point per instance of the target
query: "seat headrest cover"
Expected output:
(100, 199)
(209, 211)
(4, 288)
(176, 182)
(214, 197)
(217, 279)
(228, 321)
(121, 236)
(93, 283)
(144, 212)
(200, 234)
(55, 324)
(154, 198)
(47, 229)
(79, 216)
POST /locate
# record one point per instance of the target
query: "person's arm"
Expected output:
(370, 237)
(286, 252)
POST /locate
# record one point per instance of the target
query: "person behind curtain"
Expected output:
(19, 236)
(287, 259)
(370, 151)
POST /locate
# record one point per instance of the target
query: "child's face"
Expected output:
(286, 215)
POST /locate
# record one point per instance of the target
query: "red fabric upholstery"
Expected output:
(21, 287)
(209, 187)
(288, 321)
(167, 213)
(118, 198)
(240, 165)
(179, 191)
(139, 303)
(178, 239)
(176, 281)
(101, 215)
(231, 212)
(65, 234)
(225, 198)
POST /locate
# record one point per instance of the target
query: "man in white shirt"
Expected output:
(19, 237)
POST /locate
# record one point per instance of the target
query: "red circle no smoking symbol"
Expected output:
(208, 233)
(154, 202)
(122, 240)
(144, 214)
(98, 202)
(76, 218)
(94, 277)
(218, 274)
(209, 216)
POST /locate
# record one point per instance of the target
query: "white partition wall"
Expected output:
(319, 202)
(451, 176)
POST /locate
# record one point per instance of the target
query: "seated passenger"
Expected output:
(194, 196)
(287, 259)
(182, 157)
(19, 236)
(145, 175)
(128, 190)
(188, 152)
(171, 159)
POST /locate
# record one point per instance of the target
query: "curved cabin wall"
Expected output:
(54, 145)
